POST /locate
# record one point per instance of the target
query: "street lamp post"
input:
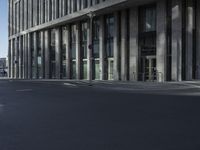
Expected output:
(90, 46)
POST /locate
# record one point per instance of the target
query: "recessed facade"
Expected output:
(128, 40)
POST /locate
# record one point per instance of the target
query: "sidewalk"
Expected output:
(120, 85)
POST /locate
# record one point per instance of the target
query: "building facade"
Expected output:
(128, 40)
(3, 67)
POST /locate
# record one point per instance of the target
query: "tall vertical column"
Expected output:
(64, 7)
(190, 12)
(60, 8)
(35, 45)
(82, 4)
(116, 47)
(21, 15)
(46, 11)
(29, 42)
(11, 59)
(14, 17)
(25, 14)
(89, 3)
(18, 17)
(20, 57)
(54, 3)
(89, 51)
(176, 40)
(42, 54)
(41, 14)
(57, 8)
(16, 60)
(47, 53)
(102, 48)
(10, 17)
(30, 12)
(24, 56)
(161, 40)
(58, 52)
(198, 37)
(134, 55)
(124, 46)
(69, 6)
(68, 59)
(78, 54)
(72, 6)
(78, 5)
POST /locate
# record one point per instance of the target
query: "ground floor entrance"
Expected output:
(148, 68)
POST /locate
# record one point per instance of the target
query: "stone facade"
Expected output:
(129, 40)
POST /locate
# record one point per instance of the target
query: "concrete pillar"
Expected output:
(190, 12)
(42, 54)
(29, 42)
(82, 4)
(14, 16)
(78, 5)
(56, 9)
(35, 12)
(124, 46)
(134, 55)
(20, 57)
(89, 51)
(25, 14)
(64, 9)
(30, 12)
(69, 6)
(35, 45)
(21, 15)
(68, 59)
(58, 52)
(198, 37)
(60, 8)
(46, 11)
(47, 53)
(89, 3)
(24, 58)
(42, 15)
(161, 40)
(72, 6)
(16, 58)
(10, 17)
(78, 54)
(116, 47)
(102, 48)
(11, 58)
(177, 40)
(18, 17)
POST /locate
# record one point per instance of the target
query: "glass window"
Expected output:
(109, 35)
(73, 42)
(39, 57)
(52, 54)
(96, 27)
(84, 40)
(63, 53)
(149, 19)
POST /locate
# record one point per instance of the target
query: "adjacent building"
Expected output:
(128, 40)
(3, 67)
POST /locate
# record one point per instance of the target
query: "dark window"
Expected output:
(96, 27)
(109, 37)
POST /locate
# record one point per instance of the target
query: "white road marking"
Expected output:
(69, 84)
(24, 90)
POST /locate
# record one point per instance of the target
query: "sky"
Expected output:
(3, 28)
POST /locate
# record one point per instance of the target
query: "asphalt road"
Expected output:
(41, 116)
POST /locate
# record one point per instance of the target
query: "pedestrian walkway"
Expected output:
(121, 85)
